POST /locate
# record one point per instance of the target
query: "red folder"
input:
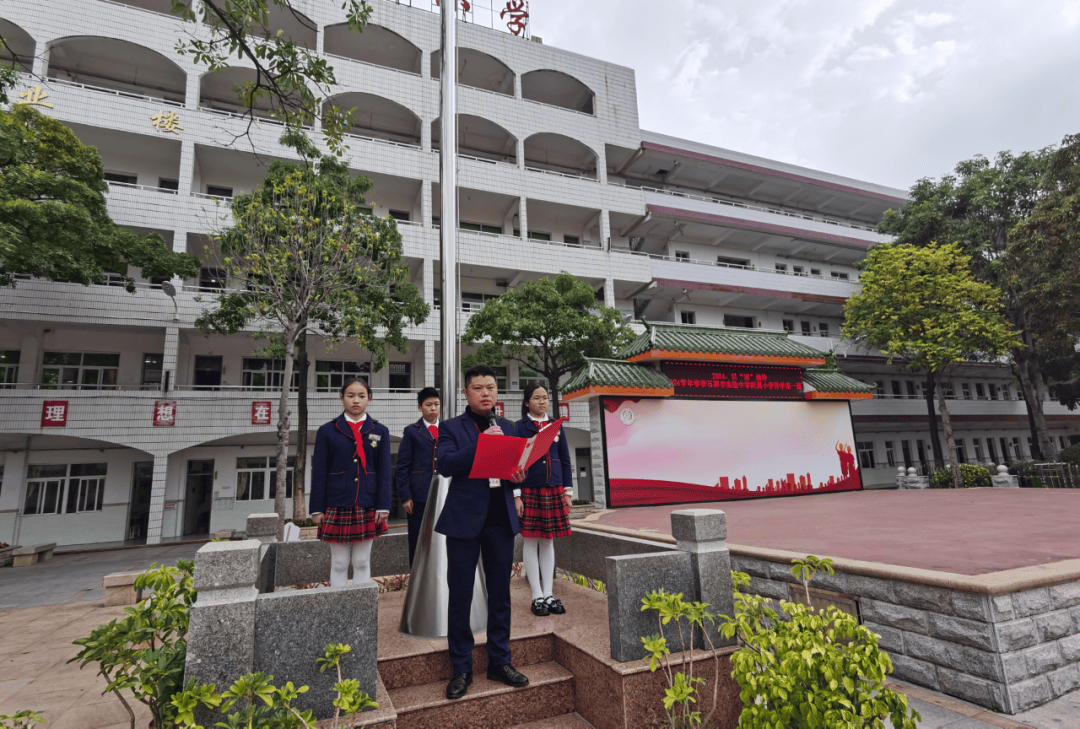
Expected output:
(500, 456)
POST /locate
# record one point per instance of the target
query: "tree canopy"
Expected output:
(924, 305)
(548, 325)
(54, 220)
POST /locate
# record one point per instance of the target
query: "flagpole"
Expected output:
(425, 611)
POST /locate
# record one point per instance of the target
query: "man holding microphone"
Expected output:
(479, 520)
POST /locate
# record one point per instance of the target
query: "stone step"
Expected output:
(565, 721)
(489, 704)
(434, 665)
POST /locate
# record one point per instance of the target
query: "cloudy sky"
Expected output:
(886, 91)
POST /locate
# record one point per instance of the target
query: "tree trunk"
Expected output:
(950, 443)
(1032, 387)
(553, 393)
(291, 333)
(935, 443)
(300, 469)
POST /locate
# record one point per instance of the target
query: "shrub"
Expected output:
(942, 479)
(974, 477)
(21, 720)
(1070, 455)
(144, 652)
(1025, 471)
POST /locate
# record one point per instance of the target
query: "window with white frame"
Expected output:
(980, 393)
(401, 375)
(688, 317)
(261, 373)
(64, 488)
(789, 325)
(501, 379)
(992, 389)
(976, 445)
(528, 377)
(9, 368)
(890, 454)
(839, 275)
(330, 375)
(780, 268)
(823, 329)
(961, 450)
(256, 478)
(966, 389)
(682, 255)
(79, 371)
(866, 453)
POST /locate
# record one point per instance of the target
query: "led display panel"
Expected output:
(667, 451)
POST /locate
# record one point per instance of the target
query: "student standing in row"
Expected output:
(544, 502)
(416, 462)
(350, 484)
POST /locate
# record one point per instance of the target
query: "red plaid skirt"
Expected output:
(545, 515)
(348, 524)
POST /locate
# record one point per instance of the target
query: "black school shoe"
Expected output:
(540, 607)
(458, 685)
(506, 674)
(554, 606)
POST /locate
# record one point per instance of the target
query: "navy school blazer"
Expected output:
(554, 469)
(415, 462)
(337, 477)
(466, 507)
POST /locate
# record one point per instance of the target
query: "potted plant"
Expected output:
(308, 529)
(581, 508)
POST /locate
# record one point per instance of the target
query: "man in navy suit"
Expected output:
(479, 520)
(416, 462)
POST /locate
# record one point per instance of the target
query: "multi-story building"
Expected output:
(121, 421)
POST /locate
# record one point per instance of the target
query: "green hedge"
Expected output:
(974, 477)
(1070, 455)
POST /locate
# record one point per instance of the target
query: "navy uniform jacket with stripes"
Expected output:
(553, 469)
(337, 477)
(415, 462)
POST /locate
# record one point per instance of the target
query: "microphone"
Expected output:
(493, 418)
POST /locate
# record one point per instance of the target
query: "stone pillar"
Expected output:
(11, 495)
(601, 165)
(171, 354)
(517, 86)
(425, 200)
(521, 154)
(605, 231)
(221, 635)
(426, 142)
(628, 579)
(523, 217)
(157, 500)
(901, 478)
(703, 533)
(264, 529)
(1002, 480)
(609, 293)
(596, 446)
(185, 177)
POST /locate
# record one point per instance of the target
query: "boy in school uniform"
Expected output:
(416, 462)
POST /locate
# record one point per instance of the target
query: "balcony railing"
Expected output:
(372, 65)
(114, 92)
(715, 264)
(567, 175)
(746, 206)
(392, 143)
(150, 188)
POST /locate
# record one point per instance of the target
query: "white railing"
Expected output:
(743, 205)
(208, 196)
(129, 6)
(133, 186)
(563, 108)
(567, 175)
(487, 160)
(516, 239)
(405, 145)
(373, 65)
(714, 264)
(114, 92)
(248, 116)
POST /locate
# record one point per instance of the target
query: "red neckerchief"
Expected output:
(359, 442)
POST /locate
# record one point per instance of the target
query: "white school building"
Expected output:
(119, 421)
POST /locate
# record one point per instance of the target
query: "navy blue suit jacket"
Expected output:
(466, 507)
(554, 469)
(337, 477)
(415, 462)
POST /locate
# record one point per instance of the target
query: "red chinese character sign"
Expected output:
(260, 412)
(164, 412)
(716, 381)
(564, 410)
(54, 413)
(518, 11)
(500, 409)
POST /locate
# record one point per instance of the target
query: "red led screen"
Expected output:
(715, 381)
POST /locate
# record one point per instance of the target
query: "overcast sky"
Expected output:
(886, 91)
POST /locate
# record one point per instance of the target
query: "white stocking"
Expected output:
(547, 564)
(359, 553)
(530, 554)
(361, 561)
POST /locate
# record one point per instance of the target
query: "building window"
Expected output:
(79, 371)
(211, 279)
(208, 370)
(890, 454)
(260, 373)
(123, 178)
(256, 478)
(152, 368)
(9, 368)
(789, 326)
(501, 381)
(992, 389)
(879, 388)
(743, 322)
(402, 216)
(866, 453)
(911, 390)
(905, 449)
(481, 228)
(990, 450)
(798, 271)
(896, 392)
(401, 375)
(976, 445)
(682, 255)
(330, 375)
(83, 483)
(166, 184)
(732, 262)
(1017, 451)
(823, 329)
(470, 301)
(961, 450)
(804, 328)
(980, 392)
(815, 272)
(528, 377)
(966, 389)
(688, 317)
(947, 390)
(219, 191)
(571, 240)
(781, 267)
(839, 276)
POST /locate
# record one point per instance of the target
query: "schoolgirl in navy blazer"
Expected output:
(337, 476)
(553, 469)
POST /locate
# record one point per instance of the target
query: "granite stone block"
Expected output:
(390, 555)
(781, 571)
(585, 552)
(964, 632)
(971, 606)
(924, 597)
(263, 527)
(1028, 694)
(837, 582)
(1001, 607)
(699, 525)
(1064, 680)
(221, 565)
(711, 568)
(301, 563)
(120, 589)
(915, 671)
(1014, 667)
(1013, 635)
(895, 616)
(891, 639)
(1065, 595)
(1052, 626)
(1070, 647)
(221, 639)
(989, 694)
(950, 655)
(630, 578)
(1031, 602)
(768, 588)
(292, 629)
(751, 565)
(863, 587)
(1043, 658)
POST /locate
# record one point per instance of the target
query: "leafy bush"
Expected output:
(974, 477)
(1025, 471)
(24, 719)
(1070, 455)
(144, 652)
(942, 479)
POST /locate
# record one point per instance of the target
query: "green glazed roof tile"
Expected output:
(615, 373)
(831, 380)
(706, 340)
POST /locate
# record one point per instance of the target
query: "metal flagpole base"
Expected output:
(425, 612)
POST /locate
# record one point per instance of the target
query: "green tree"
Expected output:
(310, 260)
(1043, 268)
(548, 325)
(923, 305)
(54, 221)
(978, 207)
(291, 79)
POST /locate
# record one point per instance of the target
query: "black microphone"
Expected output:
(493, 419)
